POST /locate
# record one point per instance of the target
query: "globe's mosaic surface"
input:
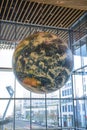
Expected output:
(42, 62)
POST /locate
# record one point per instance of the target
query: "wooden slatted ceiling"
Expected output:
(26, 11)
(38, 13)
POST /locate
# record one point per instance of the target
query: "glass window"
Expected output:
(84, 87)
(62, 109)
(70, 91)
(7, 57)
(6, 84)
(68, 108)
(83, 107)
(62, 93)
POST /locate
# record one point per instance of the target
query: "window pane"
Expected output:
(6, 58)
(6, 84)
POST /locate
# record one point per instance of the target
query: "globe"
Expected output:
(42, 62)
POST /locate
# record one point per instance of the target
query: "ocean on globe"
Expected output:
(42, 62)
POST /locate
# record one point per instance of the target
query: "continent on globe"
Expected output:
(42, 62)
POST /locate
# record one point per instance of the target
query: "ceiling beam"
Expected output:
(75, 4)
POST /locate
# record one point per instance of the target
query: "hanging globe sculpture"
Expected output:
(42, 62)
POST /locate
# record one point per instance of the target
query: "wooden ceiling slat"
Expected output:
(26, 11)
(6, 31)
(21, 13)
(2, 5)
(40, 18)
(19, 31)
(70, 17)
(12, 31)
(22, 35)
(52, 31)
(17, 11)
(27, 18)
(65, 35)
(9, 9)
(51, 15)
(80, 31)
(39, 13)
(75, 4)
(73, 19)
(56, 15)
(13, 10)
(65, 17)
(9, 32)
(63, 38)
(34, 12)
(59, 16)
(83, 27)
(46, 19)
(31, 31)
(62, 18)
(25, 33)
(2, 30)
(62, 33)
(43, 14)
(5, 9)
